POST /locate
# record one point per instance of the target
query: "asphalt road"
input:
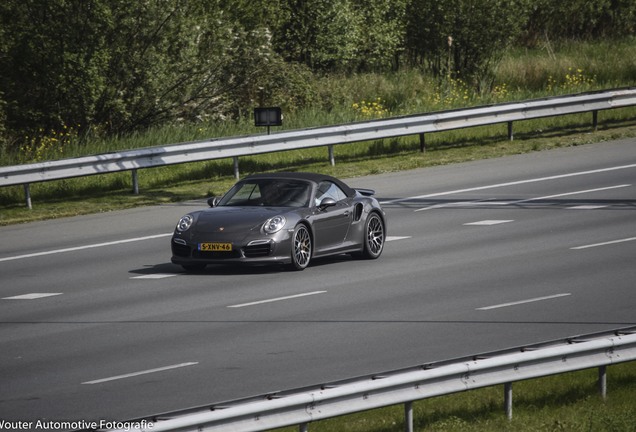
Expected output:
(97, 324)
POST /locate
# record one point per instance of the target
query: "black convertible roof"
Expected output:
(313, 177)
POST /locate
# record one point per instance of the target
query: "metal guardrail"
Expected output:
(302, 406)
(314, 137)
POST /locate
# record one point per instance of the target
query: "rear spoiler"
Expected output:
(365, 192)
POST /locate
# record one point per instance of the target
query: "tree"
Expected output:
(463, 37)
(167, 60)
(318, 33)
(341, 35)
(381, 34)
(116, 66)
(581, 19)
(51, 62)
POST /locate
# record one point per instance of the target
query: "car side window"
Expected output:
(327, 189)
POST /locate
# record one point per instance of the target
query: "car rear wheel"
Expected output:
(375, 236)
(301, 248)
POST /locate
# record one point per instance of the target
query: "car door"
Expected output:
(331, 224)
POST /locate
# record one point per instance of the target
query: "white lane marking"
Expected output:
(604, 243)
(500, 185)
(394, 238)
(31, 296)
(155, 276)
(145, 372)
(117, 242)
(456, 204)
(524, 301)
(485, 202)
(277, 299)
(587, 207)
(79, 248)
(569, 193)
(488, 222)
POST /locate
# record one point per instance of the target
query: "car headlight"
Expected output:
(274, 224)
(184, 223)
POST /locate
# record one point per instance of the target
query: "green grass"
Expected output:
(102, 193)
(609, 63)
(547, 71)
(566, 402)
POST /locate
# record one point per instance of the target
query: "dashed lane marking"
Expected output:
(488, 222)
(394, 238)
(277, 299)
(607, 243)
(488, 203)
(144, 372)
(98, 245)
(513, 183)
(587, 207)
(547, 197)
(155, 276)
(532, 300)
(32, 296)
(79, 248)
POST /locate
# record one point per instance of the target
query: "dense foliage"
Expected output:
(112, 66)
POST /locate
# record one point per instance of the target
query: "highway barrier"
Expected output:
(303, 406)
(329, 136)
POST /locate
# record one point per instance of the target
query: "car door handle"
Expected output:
(346, 213)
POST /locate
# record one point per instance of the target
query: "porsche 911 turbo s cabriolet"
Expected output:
(285, 218)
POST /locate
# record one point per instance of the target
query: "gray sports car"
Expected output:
(287, 218)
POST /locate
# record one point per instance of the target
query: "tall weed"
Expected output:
(570, 67)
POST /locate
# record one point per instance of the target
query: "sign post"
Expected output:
(272, 116)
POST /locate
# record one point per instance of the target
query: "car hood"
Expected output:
(235, 219)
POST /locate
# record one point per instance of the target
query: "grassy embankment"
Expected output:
(562, 403)
(571, 68)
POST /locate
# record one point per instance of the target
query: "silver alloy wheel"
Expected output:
(375, 236)
(301, 248)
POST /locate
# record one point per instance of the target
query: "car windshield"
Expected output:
(268, 192)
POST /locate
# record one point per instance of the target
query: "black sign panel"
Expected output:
(268, 116)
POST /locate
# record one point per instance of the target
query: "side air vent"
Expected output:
(357, 213)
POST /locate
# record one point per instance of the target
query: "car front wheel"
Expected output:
(374, 236)
(301, 248)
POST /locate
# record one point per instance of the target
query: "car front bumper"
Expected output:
(257, 251)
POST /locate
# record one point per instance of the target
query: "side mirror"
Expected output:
(213, 202)
(327, 202)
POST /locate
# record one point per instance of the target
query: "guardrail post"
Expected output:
(408, 417)
(508, 400)
(236, 167)
(326, 136)
(27, 194)
(595, 120)
(602, 381)
(135, 182)
(304, 427)
(332, 159)
(422, 143)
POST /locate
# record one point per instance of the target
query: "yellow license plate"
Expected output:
(215, 247)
